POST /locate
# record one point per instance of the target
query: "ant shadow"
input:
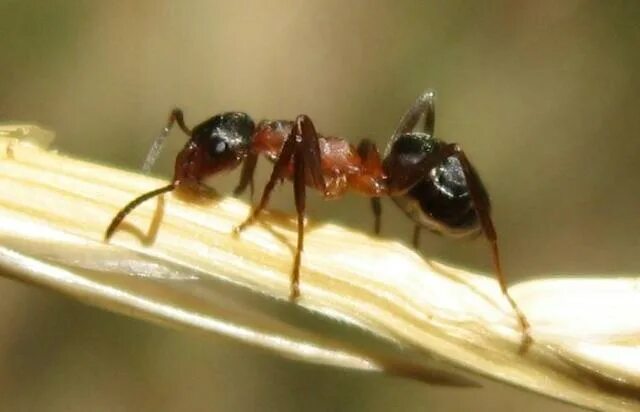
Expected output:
(452, 274)
(274, 222)
(270, 219)
(287, 222)
(202, 195)
(147, 238)
(284, 221)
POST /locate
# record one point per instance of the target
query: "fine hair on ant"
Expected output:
(432, 181)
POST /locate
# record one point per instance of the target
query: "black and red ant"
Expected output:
(433, 182)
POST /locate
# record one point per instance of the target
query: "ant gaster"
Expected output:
(433, 182)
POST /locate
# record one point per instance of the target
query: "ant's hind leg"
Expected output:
(424, 105)
(175, 116)
(481, 204)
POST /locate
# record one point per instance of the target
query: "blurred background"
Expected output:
(543, 95)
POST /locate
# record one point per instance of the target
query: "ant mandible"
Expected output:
(433, 182)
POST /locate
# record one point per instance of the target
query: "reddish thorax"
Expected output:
(342, 166)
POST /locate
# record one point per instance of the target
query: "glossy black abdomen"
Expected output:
(441, 201)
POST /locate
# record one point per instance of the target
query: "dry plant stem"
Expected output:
(54, 211)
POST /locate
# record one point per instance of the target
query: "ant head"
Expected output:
(408, 159)
(217, 144)
(224, 135)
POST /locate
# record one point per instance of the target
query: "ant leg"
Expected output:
(417, 229)
(246, 176)
(307, 168)
(301, 147)
(300, 196)
(119, 217)
(376, 206)
(481, 204)
(424, 105)
(277, 174)
(309, 151)
(372, 168)
(176, 116)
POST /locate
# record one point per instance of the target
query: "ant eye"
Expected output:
(220, 147)
(220, 143)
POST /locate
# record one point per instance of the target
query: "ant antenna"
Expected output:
(176, 115)
(132, 205)
(154, 151)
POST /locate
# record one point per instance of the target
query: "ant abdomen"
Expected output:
(441, 202)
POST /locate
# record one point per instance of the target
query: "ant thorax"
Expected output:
(269, 137)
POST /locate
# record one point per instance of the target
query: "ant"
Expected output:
(433, 182)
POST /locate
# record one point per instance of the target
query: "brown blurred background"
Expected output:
(543, 95)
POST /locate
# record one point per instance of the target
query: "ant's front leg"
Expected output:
(302, 148)
(175, 116)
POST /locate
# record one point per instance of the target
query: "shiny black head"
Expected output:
(224, 135)
(218, 144)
